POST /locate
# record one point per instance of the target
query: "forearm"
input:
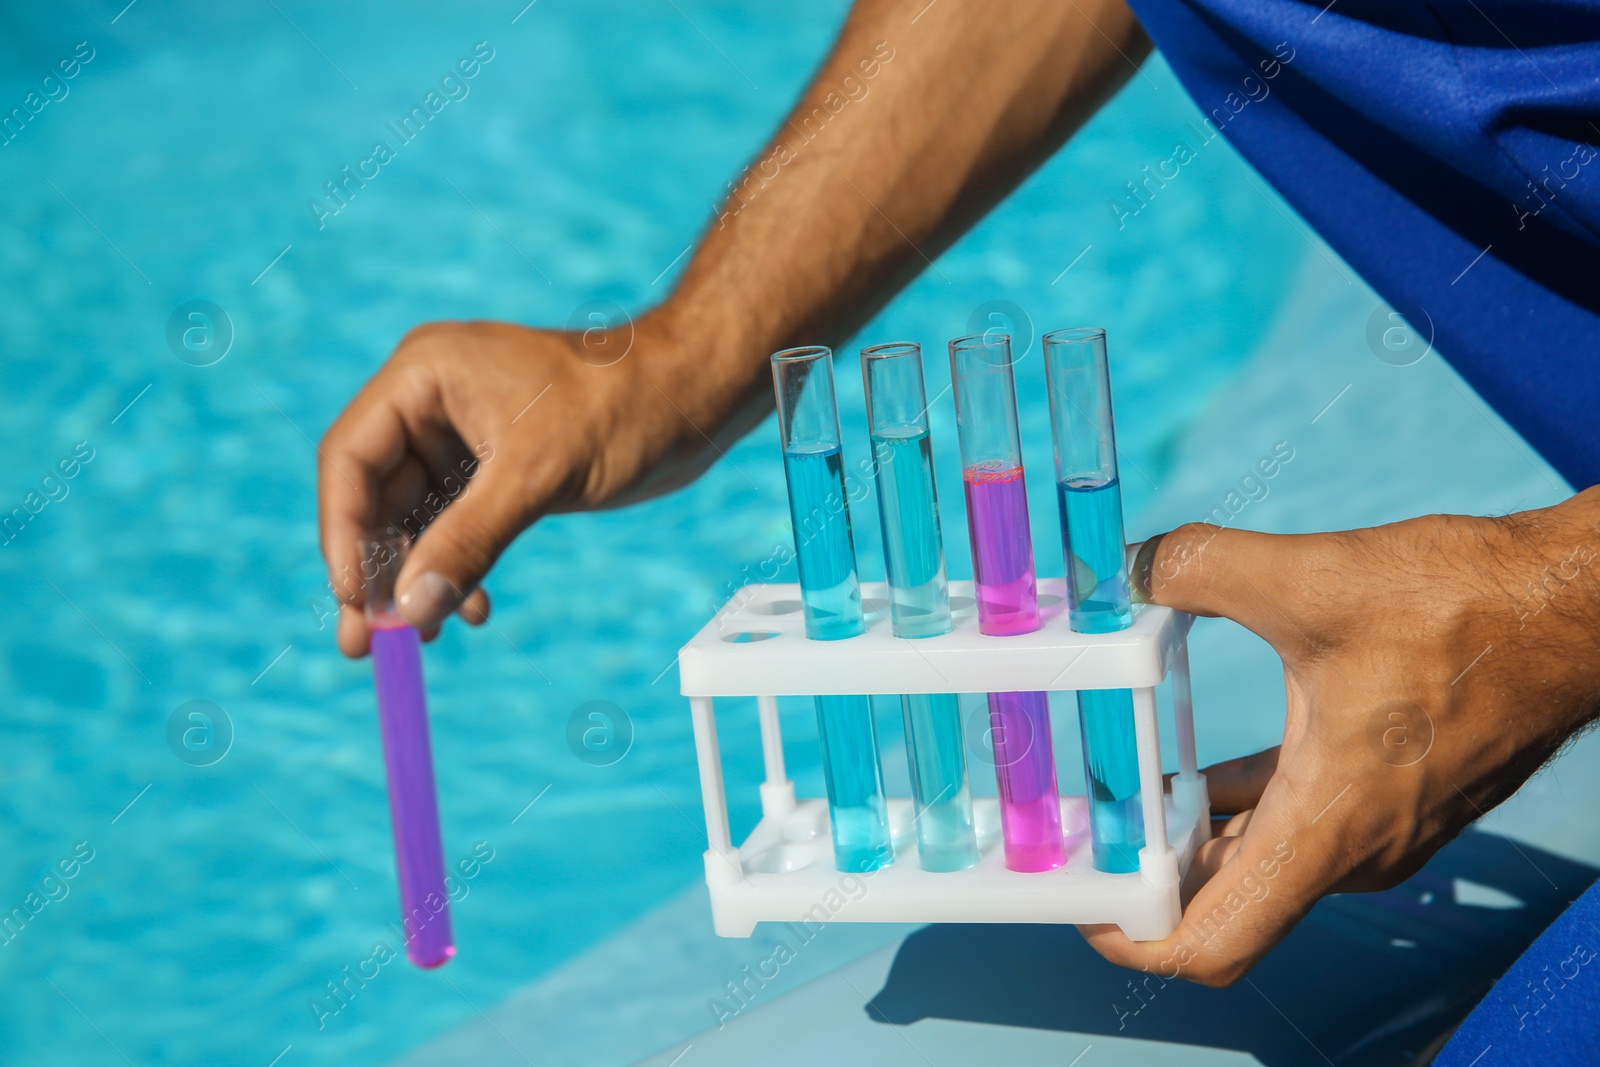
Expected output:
(1552, 656)
(908, 134)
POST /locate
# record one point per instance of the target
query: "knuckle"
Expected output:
(1183, 548)
(423, 335)
(1218, 975)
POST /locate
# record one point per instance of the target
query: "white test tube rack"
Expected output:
(784, 871)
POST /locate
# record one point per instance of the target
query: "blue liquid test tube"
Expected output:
(813, 467)
(1078, 375)
(919, 599)
(408, 760)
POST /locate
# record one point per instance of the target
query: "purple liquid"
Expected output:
(1002, 551)
(1025, 768)
(1008, 604)
(413, 804)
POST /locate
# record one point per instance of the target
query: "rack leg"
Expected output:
(1158, 862)
(722, 862)
(777, 792)
(1189, 787)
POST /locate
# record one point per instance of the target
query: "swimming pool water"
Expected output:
(178, 562)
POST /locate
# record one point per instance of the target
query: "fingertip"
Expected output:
(475, 609)
(1139, 567)
(427, 600)
(1101, 932)
(1111, 943)
(353, 638)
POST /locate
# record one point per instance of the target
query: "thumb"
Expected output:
(457, 549)
(1214, 571)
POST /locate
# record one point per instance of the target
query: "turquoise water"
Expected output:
(919, 605)
(1096, 568)
(825, 552)
(1098, 602)
(180, 563)
(936, 760)
(847, 735)
(913, 541)
(1111, 770)
(824, 547)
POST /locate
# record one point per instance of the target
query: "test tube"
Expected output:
(813, 467)
(1007, 594)
(407, 758)
(919, 600)
(1078, 377)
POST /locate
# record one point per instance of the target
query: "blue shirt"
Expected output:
(1448, 152)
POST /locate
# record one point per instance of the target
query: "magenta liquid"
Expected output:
(1008, 604)
(413, 802)
(1002, 551)
(1025, 769)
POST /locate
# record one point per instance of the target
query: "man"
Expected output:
(1410, 138)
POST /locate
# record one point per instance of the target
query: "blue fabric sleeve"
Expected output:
(1448, 152)
(1546, 1010)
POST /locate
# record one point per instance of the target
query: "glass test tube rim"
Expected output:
(881, 354)
(987, 341)
(801, 353)
(981, 449)
(890, 350)
(786, 362)
(381, 609)
(1105, 424)
(1073, 335)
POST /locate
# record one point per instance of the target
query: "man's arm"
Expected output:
(841, 210)
(475, 430)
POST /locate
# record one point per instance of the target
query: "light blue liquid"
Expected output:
(945, 837)
(1111, 772)
(831, 594)
(856, 808)
(827, 556)
(913, 546)
(1097, 569)
(919, 604)
(1098, 603)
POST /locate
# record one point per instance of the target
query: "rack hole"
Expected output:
(961, 603)
(779, 859)
(803, 827)
(744, 637)
(1050, 600)
(775, 607)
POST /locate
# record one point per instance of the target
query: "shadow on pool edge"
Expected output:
(1365, 979)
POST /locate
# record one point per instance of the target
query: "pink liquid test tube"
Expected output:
(408, 760)
(1007, 594)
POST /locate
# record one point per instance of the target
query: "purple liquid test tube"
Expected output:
(408, 760)
(1007, 594)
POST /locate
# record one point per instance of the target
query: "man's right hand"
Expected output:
(950, 106)
(476, 429)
